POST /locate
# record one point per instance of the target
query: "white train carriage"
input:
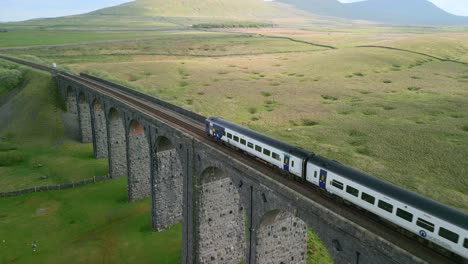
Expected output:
(426, 218)
(273, 151)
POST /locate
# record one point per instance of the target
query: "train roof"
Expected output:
(412, 199)
(287, 148)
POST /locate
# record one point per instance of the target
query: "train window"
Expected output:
(315, 174)
(250, 145)
(352, 191)
(337, 184)
(465, 244)
(292, 163)
(242, 141)
(404, 214)
(229, 135)
(258, 148)
(276, 156)
(236, 138)
(385, 206)
(449, 235)
(266, 152)
(425, 224)
(223, 133)
(368, 198)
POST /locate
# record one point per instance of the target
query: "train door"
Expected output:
(286, 162)
(207, 127)
(323, 179)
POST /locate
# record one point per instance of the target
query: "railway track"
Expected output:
(196, 129)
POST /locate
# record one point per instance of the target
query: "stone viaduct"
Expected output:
(231, 212)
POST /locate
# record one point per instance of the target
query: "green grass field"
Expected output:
(90, 224)
(397, 115)
(33, 148)
(388, 113)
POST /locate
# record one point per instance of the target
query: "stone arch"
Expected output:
(167, 185)
(72, 106)
(139, 162)
(85, 119)
(117, 144)
(221, 219)
(100, 130)
(281, 237)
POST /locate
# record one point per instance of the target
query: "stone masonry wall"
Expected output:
(118, 146)
(72, 106)
(168, 187)
(85, 122)
(139, 170)
(221, 223)
(281, 239)
(70, 118)
(100, 131)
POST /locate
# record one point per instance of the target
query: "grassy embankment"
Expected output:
(90, 224)
(33, 148)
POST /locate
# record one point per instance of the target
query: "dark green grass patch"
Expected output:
(329, 97)
(90, 224)
(465, 128)
(414, 89)
(10, 158)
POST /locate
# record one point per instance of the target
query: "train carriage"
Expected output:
(433, 221)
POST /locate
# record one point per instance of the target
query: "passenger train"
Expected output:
(433, 221)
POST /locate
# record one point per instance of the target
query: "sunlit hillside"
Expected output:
(161, 13)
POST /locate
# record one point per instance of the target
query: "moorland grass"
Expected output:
(89, 224)
(403, 135)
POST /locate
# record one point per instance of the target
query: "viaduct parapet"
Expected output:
(231, 211)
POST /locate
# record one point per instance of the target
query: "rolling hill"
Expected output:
(385, 11)
(161, 13)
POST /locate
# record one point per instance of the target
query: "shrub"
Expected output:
(309, 122)
(9, 79)
(363, 151)
(413, 88)
(266, 94)
(10, 158)
(252, 110)
(360, 74)
(465, 128)
(329, 97)
(387, 81)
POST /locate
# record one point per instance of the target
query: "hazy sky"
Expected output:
(457, 7)
(15, 10)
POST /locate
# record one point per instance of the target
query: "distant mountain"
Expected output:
(384, 11)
